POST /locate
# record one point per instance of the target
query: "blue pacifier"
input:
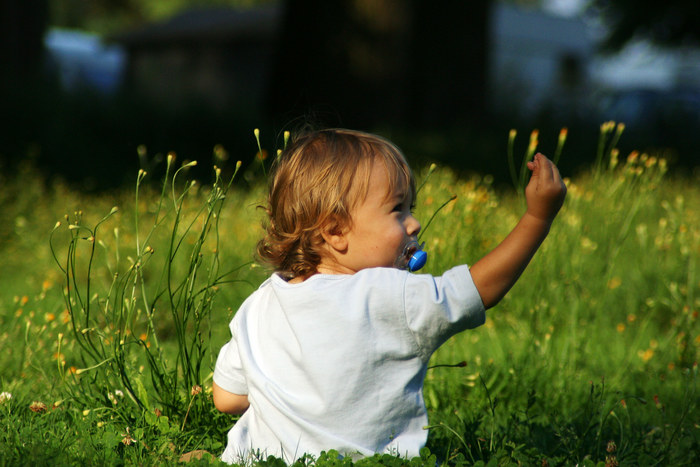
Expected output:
(413, 257)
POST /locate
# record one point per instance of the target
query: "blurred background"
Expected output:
(85, 83)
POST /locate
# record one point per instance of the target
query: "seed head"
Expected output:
(38, 407)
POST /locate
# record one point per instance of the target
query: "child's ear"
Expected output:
(334, 235)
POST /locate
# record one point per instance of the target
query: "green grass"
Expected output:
(590, 359)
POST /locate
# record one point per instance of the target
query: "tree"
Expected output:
(670, 23)
(114, 16)
(416, 62)
(22, 25)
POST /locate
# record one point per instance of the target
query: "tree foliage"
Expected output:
(110, 16)
(670, 23)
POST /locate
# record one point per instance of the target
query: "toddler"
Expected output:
(331, 351)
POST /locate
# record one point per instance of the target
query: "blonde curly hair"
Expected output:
(314, 185)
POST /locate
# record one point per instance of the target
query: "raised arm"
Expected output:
(227, 402)
(497, 272)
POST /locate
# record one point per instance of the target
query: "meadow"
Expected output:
(113, 308)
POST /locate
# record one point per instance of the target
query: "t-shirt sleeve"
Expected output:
(440, 307)
(228, 372)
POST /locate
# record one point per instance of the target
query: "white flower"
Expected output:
(5, 396)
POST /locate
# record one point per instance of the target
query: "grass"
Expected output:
(591, 359)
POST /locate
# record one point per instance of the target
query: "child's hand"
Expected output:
(546, 191)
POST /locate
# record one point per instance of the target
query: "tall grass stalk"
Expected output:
(519, 175)
(118, 327)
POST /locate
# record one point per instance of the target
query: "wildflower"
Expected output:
(620, 327)
(23, 301)
(220, 152)
(623, 403)
(646, 355)
(614, 283)
(563, 133)
(49, 317)
(614, 154)
(607, 127)
(658, 403)
(141, 150)
(127, 439)
(534, 140)
(4, 397)
(38, 407)
(588, 244)
(196, 389)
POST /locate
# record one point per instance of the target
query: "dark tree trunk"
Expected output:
(448, 62)
(22, 27)
(416, 62)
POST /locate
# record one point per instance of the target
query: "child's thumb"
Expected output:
(534, 165)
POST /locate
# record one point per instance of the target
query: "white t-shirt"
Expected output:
(338, 361)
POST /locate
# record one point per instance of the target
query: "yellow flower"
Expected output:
(588, 244)
(646, 355)
(620, 327)
(614, 283)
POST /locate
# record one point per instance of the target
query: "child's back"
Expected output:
(331, 351)
(338, 361)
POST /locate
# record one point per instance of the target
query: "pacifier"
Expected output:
(413, 257)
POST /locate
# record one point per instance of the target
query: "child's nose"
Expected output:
(412, 225)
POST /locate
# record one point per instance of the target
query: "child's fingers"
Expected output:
(547, 168)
